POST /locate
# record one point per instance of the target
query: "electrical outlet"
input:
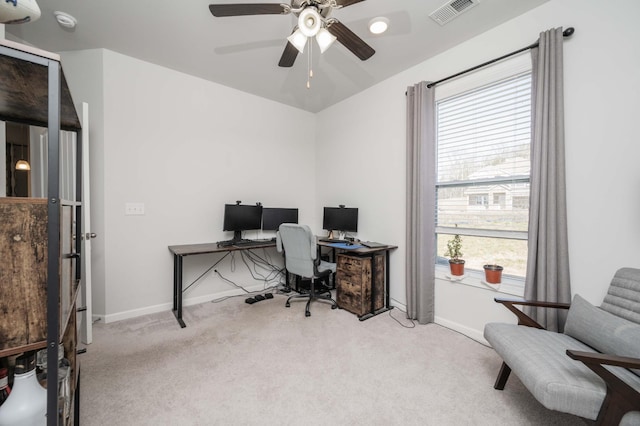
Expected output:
(134, 209)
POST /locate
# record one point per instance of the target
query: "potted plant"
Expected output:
(454, 247)
(493, 274)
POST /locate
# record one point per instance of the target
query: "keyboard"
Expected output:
(328, 240)
(371, 244)
(250, 243)
(247, 243)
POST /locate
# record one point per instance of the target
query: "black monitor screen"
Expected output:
(273, 217)
(240, 217)
(340, 219)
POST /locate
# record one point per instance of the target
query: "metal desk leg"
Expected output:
(177, 289)
(175, 282)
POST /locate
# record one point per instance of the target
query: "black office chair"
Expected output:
(301, 258)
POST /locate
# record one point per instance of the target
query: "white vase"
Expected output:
(27, 402)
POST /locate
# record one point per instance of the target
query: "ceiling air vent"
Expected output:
(452, 9)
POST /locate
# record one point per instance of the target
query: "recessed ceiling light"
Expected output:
(65, 20)
(378, 25)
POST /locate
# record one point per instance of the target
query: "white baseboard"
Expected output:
(474, 334)
(393, 302)
(133, 313)
(467, 331)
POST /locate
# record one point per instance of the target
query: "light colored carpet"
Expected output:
(263, 364)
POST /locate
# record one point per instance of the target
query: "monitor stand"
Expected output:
(237, 237)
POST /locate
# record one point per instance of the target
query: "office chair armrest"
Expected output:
(279, 247)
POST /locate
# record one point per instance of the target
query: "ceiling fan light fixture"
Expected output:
(298, 40)
(325, 39)
(309, 22)
(378, 25)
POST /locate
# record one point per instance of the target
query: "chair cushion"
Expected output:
(603, 331)
(623, 296)
(326, 266)
(538, 357)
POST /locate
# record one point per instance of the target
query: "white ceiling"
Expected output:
(243, 52)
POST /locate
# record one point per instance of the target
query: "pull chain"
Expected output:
(310, 74)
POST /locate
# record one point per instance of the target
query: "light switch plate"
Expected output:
(134, 209)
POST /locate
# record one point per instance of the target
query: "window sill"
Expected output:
(473, 278)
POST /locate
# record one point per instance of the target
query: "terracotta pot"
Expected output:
(493, 274)
(457, 267)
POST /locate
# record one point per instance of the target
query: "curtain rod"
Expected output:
(566, 33)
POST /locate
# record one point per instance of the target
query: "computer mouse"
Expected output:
(349, 243)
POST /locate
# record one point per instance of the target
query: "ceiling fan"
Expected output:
(313, 21)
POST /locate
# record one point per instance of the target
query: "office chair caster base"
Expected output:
(307, 314)
(334, 306)
(287, 305)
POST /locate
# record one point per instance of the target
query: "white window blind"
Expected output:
(483, 165)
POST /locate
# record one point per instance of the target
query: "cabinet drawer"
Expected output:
(354, 278)
(349, 263)
(349, 296)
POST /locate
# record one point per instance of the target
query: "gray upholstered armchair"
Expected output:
(301, 258)
(592, 369)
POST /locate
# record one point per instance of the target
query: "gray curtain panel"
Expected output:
(421, 198)
(548, 252)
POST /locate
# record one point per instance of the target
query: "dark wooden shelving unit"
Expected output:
(38, 292)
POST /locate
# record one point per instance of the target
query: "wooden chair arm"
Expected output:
(524, 319)
(621, 397)
(606, 359)
(525, 302)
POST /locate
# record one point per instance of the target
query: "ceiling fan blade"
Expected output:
(288, 56)
(350, 40)
(345, 3)
(222, 10)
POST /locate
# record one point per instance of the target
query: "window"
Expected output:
(483, 166)
(499, 199)
(478, 199)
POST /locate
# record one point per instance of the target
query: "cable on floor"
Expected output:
(413, 324)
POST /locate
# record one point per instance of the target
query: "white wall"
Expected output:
(361, 163)
(177, 144)
(603, 178)
(184, 147)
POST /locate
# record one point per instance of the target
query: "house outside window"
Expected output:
(483, 166)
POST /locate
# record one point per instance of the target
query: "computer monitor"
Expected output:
(273, 217)
(241, 217)
(343, 219)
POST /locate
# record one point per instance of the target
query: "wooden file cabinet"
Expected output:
(354, 283)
